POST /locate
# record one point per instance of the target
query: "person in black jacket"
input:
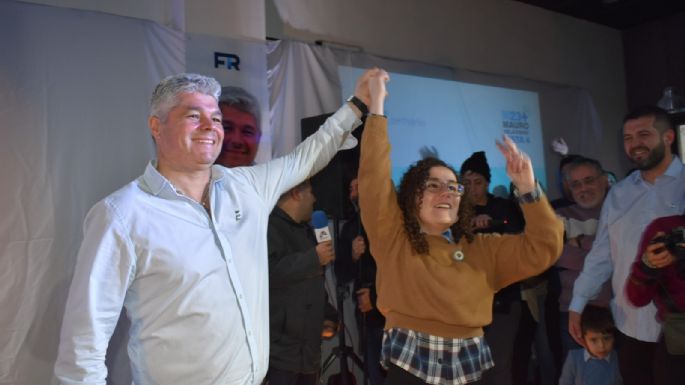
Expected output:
(298, 303)
(496, 215)
(356, 263)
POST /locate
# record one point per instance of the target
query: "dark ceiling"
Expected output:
(619, 14)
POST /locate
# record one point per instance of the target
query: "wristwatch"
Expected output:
(359, 104)
(530, 197)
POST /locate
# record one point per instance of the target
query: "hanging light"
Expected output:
(671, 101)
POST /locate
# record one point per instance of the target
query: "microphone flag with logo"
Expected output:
(320, 225)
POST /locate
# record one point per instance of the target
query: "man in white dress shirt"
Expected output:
(183, 249)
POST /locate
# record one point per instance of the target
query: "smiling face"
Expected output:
(439, 204)
(644, 144)
(190, 137)
(241, 138)
(588, 186)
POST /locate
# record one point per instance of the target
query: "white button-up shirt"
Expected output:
(195, 286)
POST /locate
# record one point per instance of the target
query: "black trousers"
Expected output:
(635, 360)
(671, 367)
(648, 363)
(285, 377)
(399, 376)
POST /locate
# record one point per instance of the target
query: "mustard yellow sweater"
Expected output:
(434, 293)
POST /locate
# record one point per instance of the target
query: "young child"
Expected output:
(597, 364)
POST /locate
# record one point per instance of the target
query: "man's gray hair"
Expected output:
(243, 101)
(165, 95)
(582, 161)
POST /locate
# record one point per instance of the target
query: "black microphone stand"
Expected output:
(342, 351)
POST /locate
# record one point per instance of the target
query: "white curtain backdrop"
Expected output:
(74, 90)
(303, 81)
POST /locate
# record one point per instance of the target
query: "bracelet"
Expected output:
(359, 104)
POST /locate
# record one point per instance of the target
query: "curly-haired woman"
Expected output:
(435, 279)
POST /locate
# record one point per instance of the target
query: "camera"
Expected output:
(671, 241)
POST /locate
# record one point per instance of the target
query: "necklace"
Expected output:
(205, 198)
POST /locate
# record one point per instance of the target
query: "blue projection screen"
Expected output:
(457, 119)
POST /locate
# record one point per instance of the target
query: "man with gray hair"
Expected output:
(588, 186)
(241, 119)
(183, 250)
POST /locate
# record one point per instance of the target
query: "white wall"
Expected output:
(227, 18)
(165, 12)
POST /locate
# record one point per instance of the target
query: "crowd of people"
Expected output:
(223, 279)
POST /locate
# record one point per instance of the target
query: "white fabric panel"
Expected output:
(74, 90)
(303, 81)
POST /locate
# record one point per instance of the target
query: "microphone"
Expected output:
(320, 225)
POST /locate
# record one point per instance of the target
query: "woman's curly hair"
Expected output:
(409, 198)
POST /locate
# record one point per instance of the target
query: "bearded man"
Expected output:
(655, 189)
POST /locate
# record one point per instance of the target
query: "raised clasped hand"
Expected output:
(519, 167)
(377, 91)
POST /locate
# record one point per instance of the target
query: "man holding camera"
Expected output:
(656, 189)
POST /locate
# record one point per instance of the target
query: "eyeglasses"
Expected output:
(452, 188)
(587, 181)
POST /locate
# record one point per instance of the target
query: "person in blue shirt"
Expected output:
(655, 189)
(597, 364)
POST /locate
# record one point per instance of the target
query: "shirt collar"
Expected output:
(153, 180)
(587, 356)
(447, 234)
(674, 170)
(218, 172)
(156, 183)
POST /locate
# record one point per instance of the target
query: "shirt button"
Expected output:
(440, 361)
